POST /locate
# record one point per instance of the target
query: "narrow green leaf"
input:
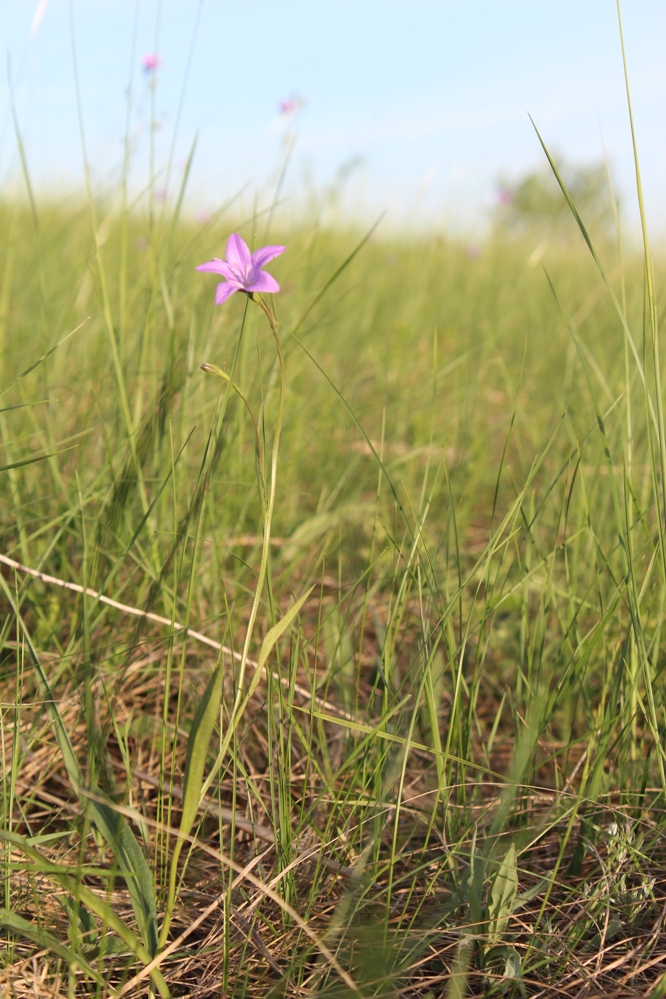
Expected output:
(270, 640)
(195, 762)
(199, 740)
(113, 827)
(69, 878)
(35, 364)
(320, 294)
(531, 893)
(502, 896)
(37, 934)
(197, 748)
(31, 461)
(473, 882)
(597, 260)
(279, 629)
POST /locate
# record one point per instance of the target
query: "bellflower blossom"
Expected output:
(242, 270)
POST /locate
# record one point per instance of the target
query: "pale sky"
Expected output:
(425, 104)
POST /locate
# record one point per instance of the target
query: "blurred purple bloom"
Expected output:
(504, 197)
(473, 251)
(242, 269)
(150, 62)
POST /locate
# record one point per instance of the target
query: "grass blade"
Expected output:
(69, 879)
(113, 827)
(14, 923)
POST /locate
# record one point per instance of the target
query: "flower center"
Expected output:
(239, 274)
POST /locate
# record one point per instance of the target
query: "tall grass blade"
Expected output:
(207, 713)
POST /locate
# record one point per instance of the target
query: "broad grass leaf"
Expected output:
(81, 918)
(457, 988)
(502, 896)
(134, 868)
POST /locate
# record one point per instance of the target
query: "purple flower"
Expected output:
(242, 269)
(151, 62)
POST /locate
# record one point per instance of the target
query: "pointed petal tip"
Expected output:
(238, 254)
(223, 291)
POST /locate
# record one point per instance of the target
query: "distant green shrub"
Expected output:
(536, 202)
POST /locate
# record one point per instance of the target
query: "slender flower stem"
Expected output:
(214, 370)
(263, 567)
(238, 707)
(268, 509)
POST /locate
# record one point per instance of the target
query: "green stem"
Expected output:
(268, 518)
(238, 707)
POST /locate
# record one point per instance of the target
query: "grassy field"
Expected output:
(398, 732)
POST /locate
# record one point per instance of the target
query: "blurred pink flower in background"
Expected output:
(504, 197)
(473, 251)
(290, 105)
(150, 62)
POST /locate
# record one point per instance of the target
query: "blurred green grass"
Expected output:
(471, 596)
(434, 347)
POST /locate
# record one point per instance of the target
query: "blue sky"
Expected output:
(426, 104)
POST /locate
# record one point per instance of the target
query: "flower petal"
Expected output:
(264, 282)
(261, 256)
(217, 266)
(224, 290)
(238, 255)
